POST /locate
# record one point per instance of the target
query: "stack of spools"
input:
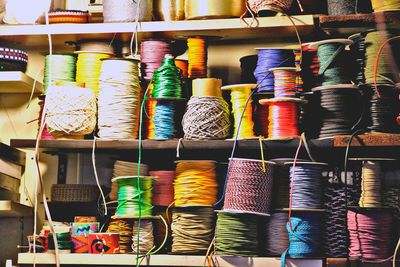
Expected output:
(195, 193)
(80, 231)
(207, 113)
(248, 197)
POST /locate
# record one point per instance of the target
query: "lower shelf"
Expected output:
(161, 260)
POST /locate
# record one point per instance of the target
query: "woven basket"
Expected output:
(74, 193)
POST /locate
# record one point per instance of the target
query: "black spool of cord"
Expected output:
(357, 51)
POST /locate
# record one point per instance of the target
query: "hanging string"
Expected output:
(370, 234)
(119, 98)
(248, 65)
(134, 196)
(167, 79)
(307, 188)
(236, 234)
(198, 56)
(152, 53)
(284, 82)
(88, 69)
(62, 69)
(358, 50)
(371, 185)
(282, 118)
(164, 120)
(333, 60)
(145, 237)
(277, 238)
(195, 183)
(124, 229)
(249, 188)
(385, 5)
(206, 118)
(126, 11)
(163, 191)
(271, 58)
(192, 230)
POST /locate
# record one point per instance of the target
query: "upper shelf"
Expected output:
(18, 82)
(279, 26)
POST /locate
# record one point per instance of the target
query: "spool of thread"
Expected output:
(124, 229)
(248, 65)
(334, 61)
(159, 230)
(164, 120)
(195, 183)
(277, 239)
(132, 200)
(163, 191)
(269, 58)
(391, 199)
(305, 235)
(343, 7)
(104, 243)
(71, 110)
(62, 69)
(236, 234)
(357, 50)
(371, 176)
(84, 229)
(243, 125)
(385, 5)
(338, 113)
(198, 56)
(249, 186)
(167, 80)
(152, 53)
(192, 229)
(95, 46)
(146, 237)
(211, 9)
(169, 10)
(284, 82)
(85, 219)
(373, 41)
(88, 69)
(282, 117)
(119, 98)
(63, 240)
(258, 6)
(125, 168)
(126, 10)
(183, 65)
(370, 233)
(306, 185)
(309, 67)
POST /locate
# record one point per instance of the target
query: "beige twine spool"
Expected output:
(273, 5)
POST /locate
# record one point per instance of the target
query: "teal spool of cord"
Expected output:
(334, 62)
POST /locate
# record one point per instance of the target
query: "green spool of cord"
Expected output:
(63, 239)
(63, 68)
(334, 62)
(134, 196)
(167, 79)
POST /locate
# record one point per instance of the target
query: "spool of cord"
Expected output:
(236, 234)
(164, 120)
(159, 229)
(309, 67)
(70, 110)
(284, 82)
(62, 69)
(146, 236)
(39, 246)
(344, 7)
(370, 232)
(132, 200)
(63, 240)
(152, 53)
(150, 107)
(183, 65)
(167, 79)
(269, 58)
(169, 10)
(126, 10)
(277, 239)
(211, 9)
(124, 229)
(88, 69)
(248, 65)
(163, 191)
(391, 199)
(258, 6)
(240, 96)
(119, 99)
(195, 183)
(281, 184)
(249, 186)
(338, 114)
(385, 5)
(260, 114)
(192, 229)
(306, 185)
(297, 63)
(371, 176)
(357, 50)
(198, 56)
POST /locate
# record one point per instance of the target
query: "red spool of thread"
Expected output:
(282, 117)
(163, 189)
(284, 81)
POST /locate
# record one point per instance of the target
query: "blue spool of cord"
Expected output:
(164, 120)
(271, 58)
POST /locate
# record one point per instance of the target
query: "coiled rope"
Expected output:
(163, 191)
(152, 53)
(236, 234)
(119, 99)
(146, 237)
(192, 229)
(370, 233)
(277, 238)
(124, 229)
(197, 56)
(195, 183)
(249, 186)
(371, 185)
(62, 69)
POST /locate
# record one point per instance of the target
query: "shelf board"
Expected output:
(370, 140)
(169, 144)
(9, 208)
(161, 260)
(17, 82)
(12, 154)
(279, 26)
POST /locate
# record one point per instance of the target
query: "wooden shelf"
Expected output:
(370, 140)
(17, 82)
(9, 208)
(229, 29)
(161, 260)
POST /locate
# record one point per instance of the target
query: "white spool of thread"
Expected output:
(25, 12)
(119, 99)
(125, 10)
(146, 236)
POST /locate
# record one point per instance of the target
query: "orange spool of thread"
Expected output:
(183, 65)
(197, 54)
